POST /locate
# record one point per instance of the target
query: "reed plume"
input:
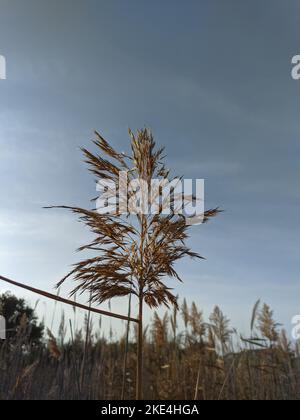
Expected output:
(132, 258)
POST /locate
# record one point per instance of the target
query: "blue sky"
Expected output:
(211, 78)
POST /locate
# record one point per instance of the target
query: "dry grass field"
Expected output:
(202, 360)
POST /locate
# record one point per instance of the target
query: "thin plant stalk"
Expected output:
(75, 361)
(198, 380)
(126, 350)
(66, 301)
(139, 374)
(87, 333)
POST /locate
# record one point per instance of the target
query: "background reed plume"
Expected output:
(132, 257)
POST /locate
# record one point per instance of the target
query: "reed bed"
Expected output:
(185, 357)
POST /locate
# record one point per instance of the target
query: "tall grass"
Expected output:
(200, 360)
